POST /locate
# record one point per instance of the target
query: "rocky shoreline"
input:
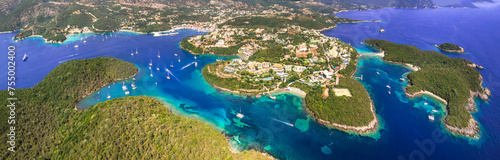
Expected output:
(472, 130)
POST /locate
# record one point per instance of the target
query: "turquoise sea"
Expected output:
(283, 128)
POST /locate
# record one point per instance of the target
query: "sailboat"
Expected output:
(175, 54)
(150, 62)
(158, 54)
(239, 115)
(195, 57)
(124, 87)
(179, 59)
(172, 65)
(25, 57)
(151, 73)
(136, 51)
(168, 75)
(425, 103)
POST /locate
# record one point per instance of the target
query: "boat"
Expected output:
(172, 65)
(25, 57)
(150, 62)
(109, 97)
(76, 46)
(389, 92)
(151, 73)
(175, 54)
(168, 75)
(426, 103)
(378, 73)
(133, 86)
(434, 111)
(149, 67)
(431, 117)
(127, 92)
(133, 79)
(158, 54)
(157, 68)
(401, 79)
(136, 51)
(84, 41)
(258, 96)
(239, 115)
(124, 87)
(179, 59)
(132, 54)
(156, 83)
(194, 57)
(381, 30)
(388, 86)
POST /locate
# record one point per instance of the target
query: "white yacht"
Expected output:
(431, 117)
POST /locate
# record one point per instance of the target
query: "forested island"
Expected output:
(49, 127)
(452, 79)
(449, 47)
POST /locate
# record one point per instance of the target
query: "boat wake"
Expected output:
(189, 65)
(166, 70)
(286, 123)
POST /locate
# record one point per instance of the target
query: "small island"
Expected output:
(449, 47)
(292, 59)
(454, 80)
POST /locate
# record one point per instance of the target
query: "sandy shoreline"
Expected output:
(419, 93)
(362, 130)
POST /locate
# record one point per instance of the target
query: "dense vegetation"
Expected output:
(190, 47)
(309, 21)
(448, 78)
(272, 54)
(449, 47)
(232, 50)
(142, 128)
(48, 127)
(351, 111)
(228, 83)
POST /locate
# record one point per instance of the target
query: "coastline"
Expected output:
(92, 92)
(361, 130)
(419, 93)
(471, 131)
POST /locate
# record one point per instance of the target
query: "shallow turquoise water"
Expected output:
(281, 127)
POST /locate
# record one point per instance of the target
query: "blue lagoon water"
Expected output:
(283, 128)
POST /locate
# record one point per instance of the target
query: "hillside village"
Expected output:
(276, 58)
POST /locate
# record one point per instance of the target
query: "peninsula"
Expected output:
(290, 59)
(452, 48)
(452, 79)
(54, 130)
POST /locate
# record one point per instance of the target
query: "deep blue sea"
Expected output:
(278, 126)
